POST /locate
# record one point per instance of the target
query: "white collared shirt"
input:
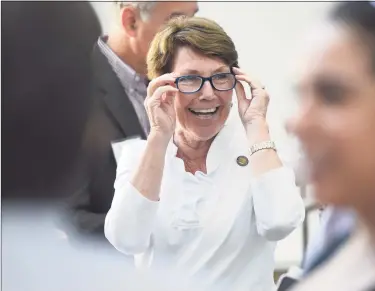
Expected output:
(219, 228)
(351, 268)
(334, 223)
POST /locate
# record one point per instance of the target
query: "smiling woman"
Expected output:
(206, 194)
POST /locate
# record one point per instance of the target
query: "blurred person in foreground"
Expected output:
(46, 89)
(45, 93)
(117, 112)
(335, 125)
(207, 193)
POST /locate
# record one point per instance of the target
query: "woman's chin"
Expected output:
(205, 134)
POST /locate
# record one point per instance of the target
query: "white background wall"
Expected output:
(268, 37)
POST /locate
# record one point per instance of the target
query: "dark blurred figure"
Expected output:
(46, 83)
(336, 124)
(119, 67)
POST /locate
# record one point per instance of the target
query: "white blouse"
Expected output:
(219, 228)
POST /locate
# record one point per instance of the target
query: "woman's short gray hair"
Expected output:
(144, 7)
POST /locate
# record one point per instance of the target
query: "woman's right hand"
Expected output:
(159, 105)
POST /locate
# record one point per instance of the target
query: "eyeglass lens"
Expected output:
(193, 83)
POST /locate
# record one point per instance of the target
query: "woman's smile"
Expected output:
(205, 113)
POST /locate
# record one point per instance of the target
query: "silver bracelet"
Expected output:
(262, 146)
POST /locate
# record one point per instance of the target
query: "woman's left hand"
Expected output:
(252, 108)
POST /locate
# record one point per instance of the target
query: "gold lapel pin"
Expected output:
(242, 161)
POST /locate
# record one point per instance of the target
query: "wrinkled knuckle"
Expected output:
(147, 102)
(151, 85)
(152, 82)
(158, 91)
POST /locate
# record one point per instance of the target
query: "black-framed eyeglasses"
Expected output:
(193, 83)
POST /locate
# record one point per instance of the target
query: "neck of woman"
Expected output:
(192, 151)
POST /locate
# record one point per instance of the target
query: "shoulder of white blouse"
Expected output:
(128, 151)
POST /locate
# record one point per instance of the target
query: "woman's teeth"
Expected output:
(204, 111)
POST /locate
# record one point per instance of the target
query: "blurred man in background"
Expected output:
(117, 112)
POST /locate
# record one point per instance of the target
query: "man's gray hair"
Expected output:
(144, 7)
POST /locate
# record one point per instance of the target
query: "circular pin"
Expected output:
(242, 161)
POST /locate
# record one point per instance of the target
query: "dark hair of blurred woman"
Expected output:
(46, 49)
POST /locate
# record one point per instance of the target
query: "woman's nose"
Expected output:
(207, 92)
(302, 123)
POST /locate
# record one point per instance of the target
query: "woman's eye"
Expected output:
(331, 94)
(188, 79)
(221, 76)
